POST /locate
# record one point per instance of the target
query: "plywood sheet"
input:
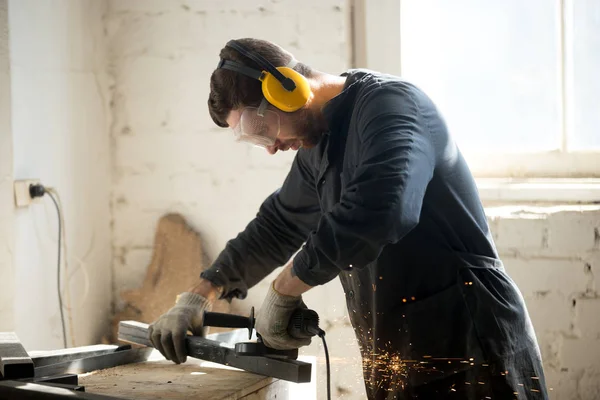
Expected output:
(177, 260)
(161, 379)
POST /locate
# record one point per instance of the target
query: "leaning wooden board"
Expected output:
(158, 378)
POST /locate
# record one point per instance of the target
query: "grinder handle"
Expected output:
(223, 320)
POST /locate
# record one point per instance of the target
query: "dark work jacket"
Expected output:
(387, 203)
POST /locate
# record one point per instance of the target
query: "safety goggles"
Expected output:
(258, 126)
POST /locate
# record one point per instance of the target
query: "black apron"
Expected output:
(470, 340)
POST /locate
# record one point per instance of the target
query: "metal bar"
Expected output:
(75, 388)
(89, 364)
(210, 350)
(27, 390)
(64, 379)
(43, 358)
(14, 360)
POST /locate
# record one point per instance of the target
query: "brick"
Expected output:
(130, 267)
(550, 313)
(550, 347)
(580, 353)
(592, 260)
(522, 234)
(154, 7)
(135, 227)
(162, 189)
(589, 384)
(181, 152)
(165, 35)
(218, 209)
(536, 276)
(174, 103)
(573, 232)
(562, 385)
(588, 317)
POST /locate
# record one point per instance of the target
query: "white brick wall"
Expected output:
(169, 156)
(553, 254)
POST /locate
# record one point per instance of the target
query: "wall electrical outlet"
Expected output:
(22, 196)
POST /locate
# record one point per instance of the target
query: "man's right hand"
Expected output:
(168, 332)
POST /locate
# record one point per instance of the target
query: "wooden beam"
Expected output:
(224, 353)
(14, 360)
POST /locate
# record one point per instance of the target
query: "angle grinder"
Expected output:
(304, 324)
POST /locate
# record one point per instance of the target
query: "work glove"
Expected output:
(168, 332)
(273, 318)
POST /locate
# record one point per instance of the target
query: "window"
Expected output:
(517, 81)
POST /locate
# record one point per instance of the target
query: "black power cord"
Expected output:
(322, 336)
(38, 190)
(305, 323)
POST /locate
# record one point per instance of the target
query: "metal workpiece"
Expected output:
(223, 352)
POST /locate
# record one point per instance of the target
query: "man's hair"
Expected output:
(230, 90)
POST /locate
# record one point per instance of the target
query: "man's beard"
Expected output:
(311, 125)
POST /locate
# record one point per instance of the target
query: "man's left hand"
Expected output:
(273, 318)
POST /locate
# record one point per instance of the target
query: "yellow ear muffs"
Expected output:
(277, 95)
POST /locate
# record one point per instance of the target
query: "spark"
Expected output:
(535, 377)
(381, 278)
(413, 298)
(535, 390)
(404, 300)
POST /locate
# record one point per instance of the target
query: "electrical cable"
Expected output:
(322, 336)
(60, 301)
(71, 257)
(67, 277)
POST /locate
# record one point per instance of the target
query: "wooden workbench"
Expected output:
(158, 378)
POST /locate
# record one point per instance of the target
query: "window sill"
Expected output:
(564, 191)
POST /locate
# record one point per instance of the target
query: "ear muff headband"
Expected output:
(283, 87)
(287, 83)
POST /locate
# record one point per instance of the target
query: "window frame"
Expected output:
(370, 22)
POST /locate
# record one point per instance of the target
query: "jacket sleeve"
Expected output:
(281, 225)
(382, 201)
